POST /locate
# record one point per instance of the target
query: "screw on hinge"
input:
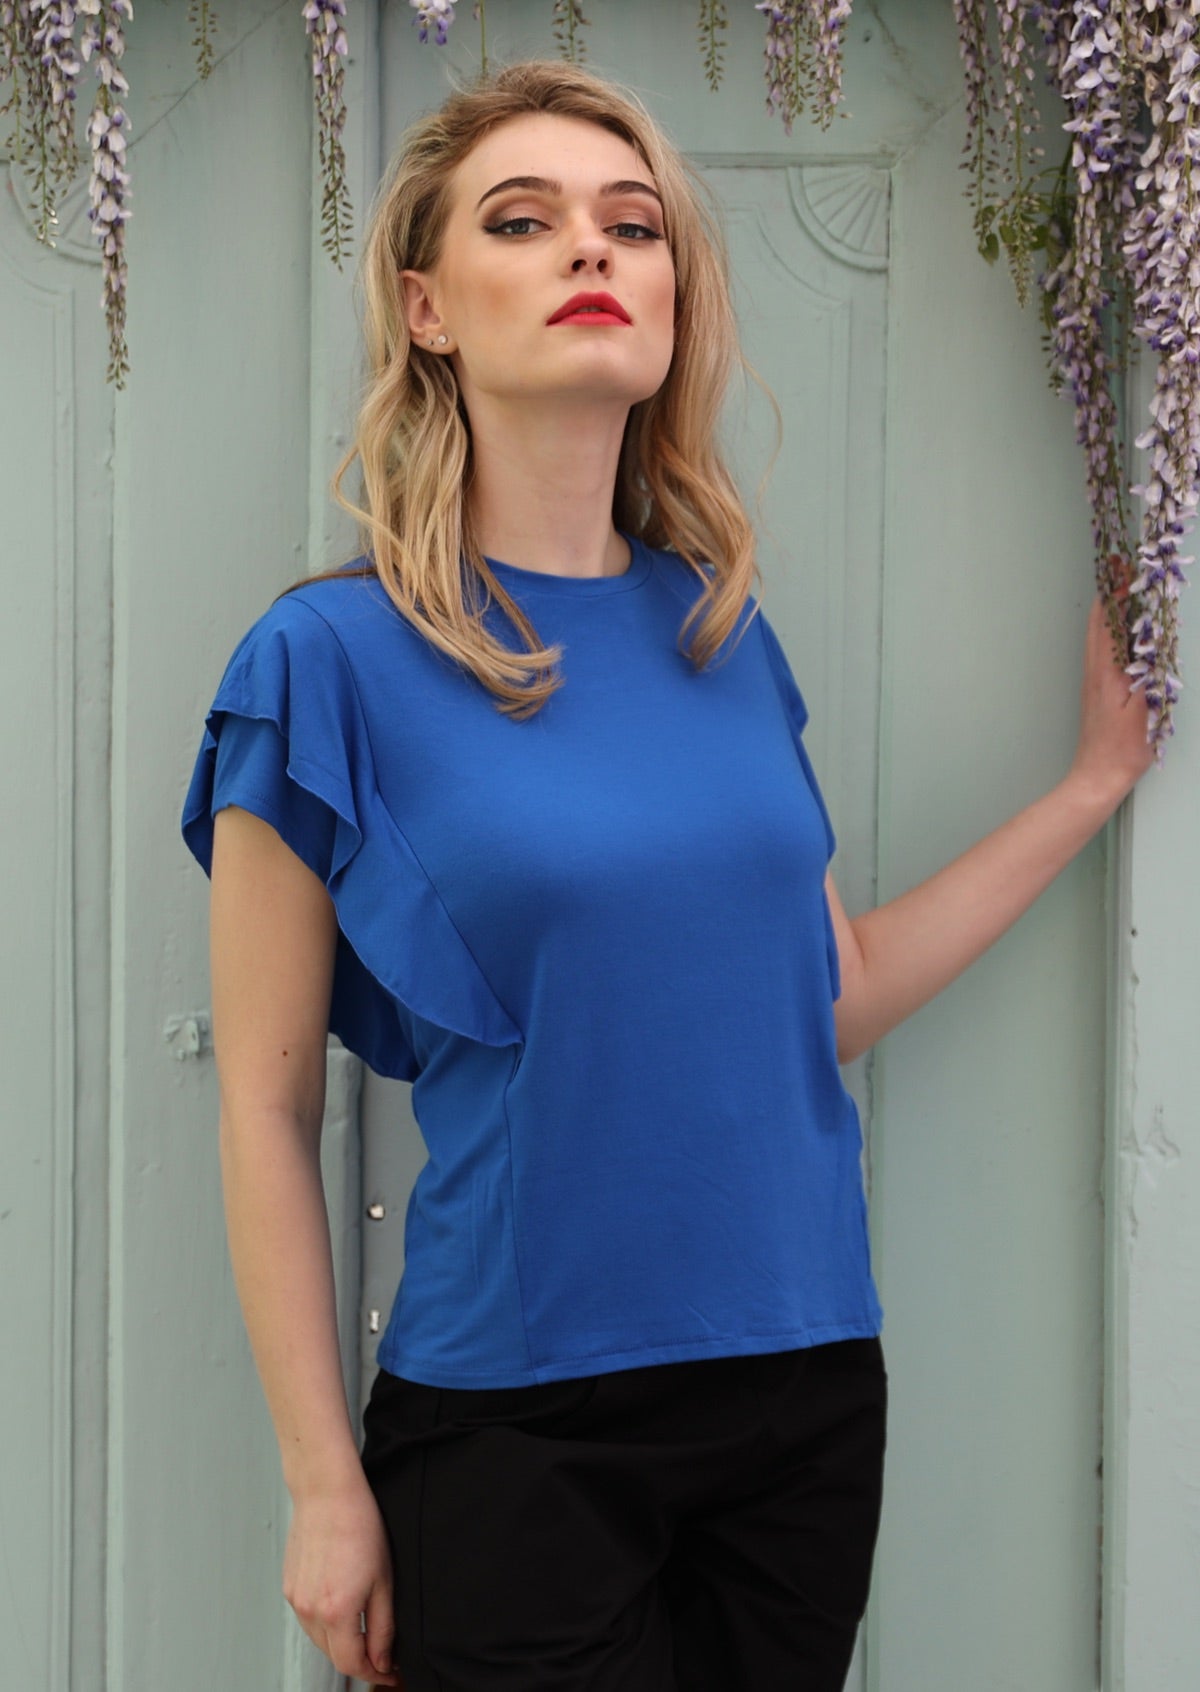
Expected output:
(188, 1036)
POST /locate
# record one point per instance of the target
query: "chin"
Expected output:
(626, 387)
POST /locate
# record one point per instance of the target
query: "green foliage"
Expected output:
(202, 17)
(569, 21)
(713, 28)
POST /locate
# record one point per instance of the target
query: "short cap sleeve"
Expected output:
(251, 772)
(287, 739)
(797, 712)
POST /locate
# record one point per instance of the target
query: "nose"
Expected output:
(591, 250)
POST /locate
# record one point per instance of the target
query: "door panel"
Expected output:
(37, 497)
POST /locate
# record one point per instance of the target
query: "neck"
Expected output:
(542, 493)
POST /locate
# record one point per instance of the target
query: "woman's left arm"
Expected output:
(896, 958)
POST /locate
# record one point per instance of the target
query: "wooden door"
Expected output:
(924, 549)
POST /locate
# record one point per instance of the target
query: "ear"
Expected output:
(424, 320)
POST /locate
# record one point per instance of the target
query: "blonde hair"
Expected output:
(413, 437)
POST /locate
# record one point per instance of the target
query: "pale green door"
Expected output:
(925, 556)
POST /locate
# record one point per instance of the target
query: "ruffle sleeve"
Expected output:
(797, 714)
(299, 756)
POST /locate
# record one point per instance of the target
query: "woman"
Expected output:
(519, 807)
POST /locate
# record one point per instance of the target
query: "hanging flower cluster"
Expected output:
(1162, 249)
(54, 42)
(803, 57)
(325, 23)
(108, 188)
(1117, 223)
(38, 36)
(1120, 226)
(437, 15)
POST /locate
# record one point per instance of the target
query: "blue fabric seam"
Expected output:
(551, 586)
(388, 813)
(512, 1187)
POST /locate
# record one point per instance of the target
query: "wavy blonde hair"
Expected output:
(413, 437)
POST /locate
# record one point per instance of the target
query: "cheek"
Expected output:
(665, 313)
(666, 297)
(492, 313)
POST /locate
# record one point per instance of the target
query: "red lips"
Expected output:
(606, 308)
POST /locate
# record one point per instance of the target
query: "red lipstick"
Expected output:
(591, 308)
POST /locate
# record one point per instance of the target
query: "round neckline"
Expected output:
(577, 587)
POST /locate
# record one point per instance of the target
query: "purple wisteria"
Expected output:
(437, 15)
(54, 44)
(1120, 232)
(1079, 284)
(1135, 236)
(830, 18)
(783, 63)
(1162, 248)
(802, 57)
(325, 25)
(37, 55)
(108, 189)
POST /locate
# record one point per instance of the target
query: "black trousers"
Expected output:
(688, 1527)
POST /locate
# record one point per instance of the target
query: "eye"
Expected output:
(507, 227)
(638, 232)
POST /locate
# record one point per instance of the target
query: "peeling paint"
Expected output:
(1158, 1142)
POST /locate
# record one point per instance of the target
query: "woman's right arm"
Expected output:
(274, 934)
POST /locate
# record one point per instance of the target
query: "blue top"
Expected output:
(597, 942)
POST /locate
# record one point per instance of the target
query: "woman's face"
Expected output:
(544, 209)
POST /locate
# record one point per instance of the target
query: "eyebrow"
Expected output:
(543, 185)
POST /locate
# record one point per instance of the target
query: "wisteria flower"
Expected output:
(437, 15)
(324, 22)
(108, 188)
(54, 42)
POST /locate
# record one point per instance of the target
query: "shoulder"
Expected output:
(781, 669)
(301, 657)
(342, 602)
(319, 620)
(688, 583)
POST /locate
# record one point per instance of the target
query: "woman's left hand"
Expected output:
(1112, 753)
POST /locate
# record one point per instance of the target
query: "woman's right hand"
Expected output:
(336, 1567)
